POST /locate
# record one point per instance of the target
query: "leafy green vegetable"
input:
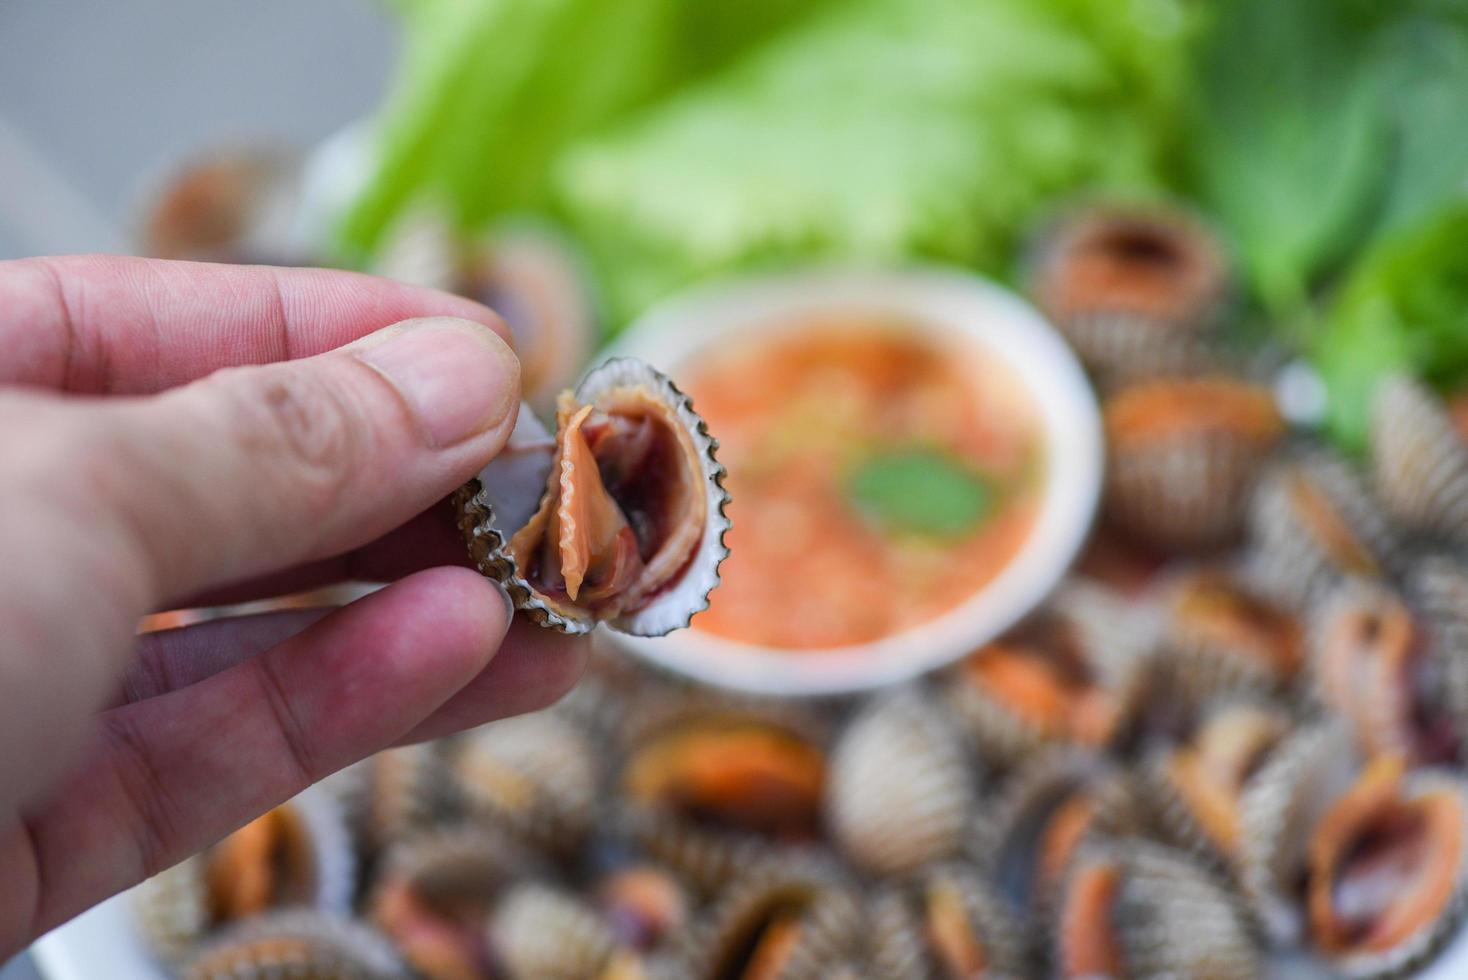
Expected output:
(1405, 307)
(879, 131)
(920, 491)
(1323, 123)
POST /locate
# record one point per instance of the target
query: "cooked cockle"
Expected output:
(299, 945)
(395, 792)
(1138, 290)
(711, 785)
(531, 278)
(1280, 807)
(1075, 673)
(1139, 910)
(433, 891)
(1388, 869)
(947, 924)
(1027, 836)
(300, 853)
(1372, 663)
(536, 775)
(619, 519)
(797, 922)
(1196, 788)
(1439, 586)
(903, 789)
(642, 904)
(1313, 522)
(1221, 637)
(539, 932)
(1183, 454)
(228, 206)
(1419, 457)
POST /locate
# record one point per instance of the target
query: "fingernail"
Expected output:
(458, 379)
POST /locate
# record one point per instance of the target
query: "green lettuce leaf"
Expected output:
(881, 130)
(1404, 308)
(918, 491)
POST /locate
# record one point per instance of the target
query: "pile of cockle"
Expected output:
(1238, 729)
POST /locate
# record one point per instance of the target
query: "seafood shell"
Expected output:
(531, 277)
(948, 923)
(1419, 459)
(1137, 909)
(434, 890)
(1137, 290)
(1314, 523)
(1043, 816)
(1184, 454)
(710, 785)
(235, 206)
(1196, 788)
(299, 853)
(295, 944)
(535, 775)
(1440, 585)
(1223, 638)
(1078, 673)
(541, 933)
(902, 790)
(1281, 806)
(790, 923)
(394, 793)
(643, 905)
(640, 571)
(1373, 663)
(1389, 870)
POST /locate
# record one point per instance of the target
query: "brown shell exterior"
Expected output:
(1419, 460)
(297, 945)
(1185, 486)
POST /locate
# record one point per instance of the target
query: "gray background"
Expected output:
(96, 95)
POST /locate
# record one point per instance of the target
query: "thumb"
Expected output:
(258, 468)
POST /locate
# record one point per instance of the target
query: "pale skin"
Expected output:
(177, 434)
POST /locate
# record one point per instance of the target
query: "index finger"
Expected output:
(97, 324)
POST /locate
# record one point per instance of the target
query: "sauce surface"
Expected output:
(798, 411)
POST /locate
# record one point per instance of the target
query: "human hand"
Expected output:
(140, 469)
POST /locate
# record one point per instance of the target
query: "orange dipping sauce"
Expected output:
(797, 411)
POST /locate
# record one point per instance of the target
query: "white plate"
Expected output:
(950, 305)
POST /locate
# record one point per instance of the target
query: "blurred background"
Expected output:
(1246, 219)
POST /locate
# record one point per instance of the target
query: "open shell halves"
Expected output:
(620, 518)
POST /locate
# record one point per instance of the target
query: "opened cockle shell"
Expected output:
(433, 891)
(536, 775)
(1043, 816)
(948, 924)
(801, 921)
(1314, 522)
(1419, 459)
(1280, 808)
(1197, 788)
(1077, 673)
(1183, 457)
(711, 785)
(903, 790)
(1138, 290)
(231, 205)
(299, 945)
(298, 854)
(1388, 869)
(644, 905)
(1373, 664)
(1224, 638)
(620, 519)
(1136, 909)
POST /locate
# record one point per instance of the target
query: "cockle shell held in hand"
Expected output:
(618, 519)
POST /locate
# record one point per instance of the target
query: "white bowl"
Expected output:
(949, 304)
